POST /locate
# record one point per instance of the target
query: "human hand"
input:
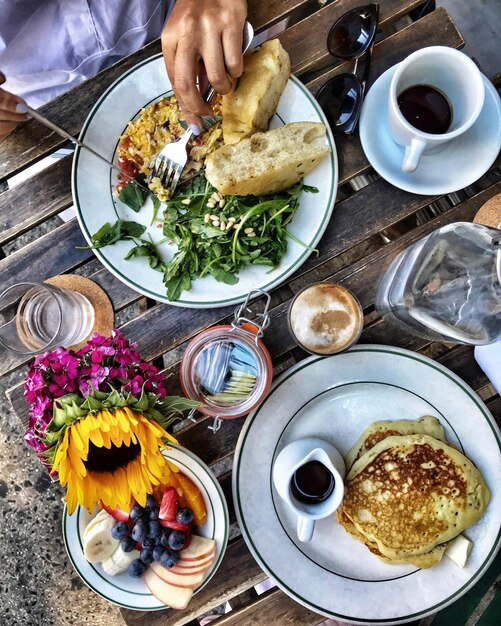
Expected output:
(12, 110)
(207, 34)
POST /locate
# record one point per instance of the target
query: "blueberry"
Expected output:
(154, 529)
(136, 568)
(136, 512)
(128, 544)
(146, 555)
(148, 543)
(157, 552)
(164, 537)
(169, 558)
(139, 532)
(154, 513)
(119, 530)
(150, 502)
(184, 516)
(176, 539)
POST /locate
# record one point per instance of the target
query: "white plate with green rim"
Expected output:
(132, 593)
(92, 183)
(335, 398)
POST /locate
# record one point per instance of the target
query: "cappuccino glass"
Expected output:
(448, 72)
(325, 318)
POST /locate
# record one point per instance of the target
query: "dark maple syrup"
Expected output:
(312, 483)
(426, 108)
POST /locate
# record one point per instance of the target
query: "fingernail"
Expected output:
(195, 129)
(21, 107)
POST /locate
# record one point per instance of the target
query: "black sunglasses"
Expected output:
(351, 37)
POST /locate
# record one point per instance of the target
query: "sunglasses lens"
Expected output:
(339, 99)
(351, 35)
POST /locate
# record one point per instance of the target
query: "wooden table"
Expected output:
(370, 225)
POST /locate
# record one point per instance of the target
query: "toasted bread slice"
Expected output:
(268, 162)
(249, 107)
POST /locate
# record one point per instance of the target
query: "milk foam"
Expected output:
(325, 318)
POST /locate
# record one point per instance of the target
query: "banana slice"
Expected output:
(119, 561)
(98, 544)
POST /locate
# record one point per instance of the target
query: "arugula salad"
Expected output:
(215, 236)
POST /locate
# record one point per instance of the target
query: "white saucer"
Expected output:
(457, 164)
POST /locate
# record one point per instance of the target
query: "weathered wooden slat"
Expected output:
(32, 141)
(311, 33)
(434, 29)
(363, 277)
(263, 13)
(238, 572)
(35, 200)
(161, 328)
(272, 607)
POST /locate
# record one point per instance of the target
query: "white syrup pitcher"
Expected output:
(308, 475)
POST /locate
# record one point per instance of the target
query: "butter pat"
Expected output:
(459, 550)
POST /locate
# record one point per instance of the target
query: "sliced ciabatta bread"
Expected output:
(268, 162)
(249, 107)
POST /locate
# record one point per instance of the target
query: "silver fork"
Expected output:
(172, 158)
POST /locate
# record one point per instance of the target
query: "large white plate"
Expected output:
(132, 593)
(336, 398)
(93, 182)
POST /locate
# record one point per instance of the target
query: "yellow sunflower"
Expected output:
(111, 456)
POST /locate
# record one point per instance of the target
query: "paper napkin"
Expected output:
(489, 359)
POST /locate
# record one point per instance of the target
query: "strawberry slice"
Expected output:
(168, 505)
(118, 514)
(173, 525)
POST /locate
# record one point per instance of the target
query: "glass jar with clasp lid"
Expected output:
(447, 286)
(227, 368)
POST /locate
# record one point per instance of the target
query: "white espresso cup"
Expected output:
(296, 456)
(454, 75)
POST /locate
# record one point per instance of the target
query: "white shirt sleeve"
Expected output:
(49, 46)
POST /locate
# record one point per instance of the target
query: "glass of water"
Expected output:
(447, 286)
(38, 317)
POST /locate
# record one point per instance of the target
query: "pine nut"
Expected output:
(229, 225)
(232, 219)
(248, 231)
(222, 202)
(211, 204)
(223, 226)
(216, 223)
(214, 217)
(186, 201)
(207, 218)
(251, 235)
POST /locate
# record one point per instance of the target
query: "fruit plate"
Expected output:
(131, 593)
(335, 399)
(93, 183)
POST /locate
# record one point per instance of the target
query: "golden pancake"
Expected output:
(378, 431)
(426, 560)
(410, 493)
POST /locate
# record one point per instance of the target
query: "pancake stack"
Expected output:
(408, 493)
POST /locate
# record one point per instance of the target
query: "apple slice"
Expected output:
(199, 548)
(192, 566)
(192, 570)
(175, 597)
(189, 580)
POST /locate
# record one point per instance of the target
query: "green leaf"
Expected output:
(223, 277)
(132, 194)
(176, 285)
(150, 251)
(156, 208)
(111, 233)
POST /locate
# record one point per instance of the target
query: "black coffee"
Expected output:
(426, 108)
(312, 483)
